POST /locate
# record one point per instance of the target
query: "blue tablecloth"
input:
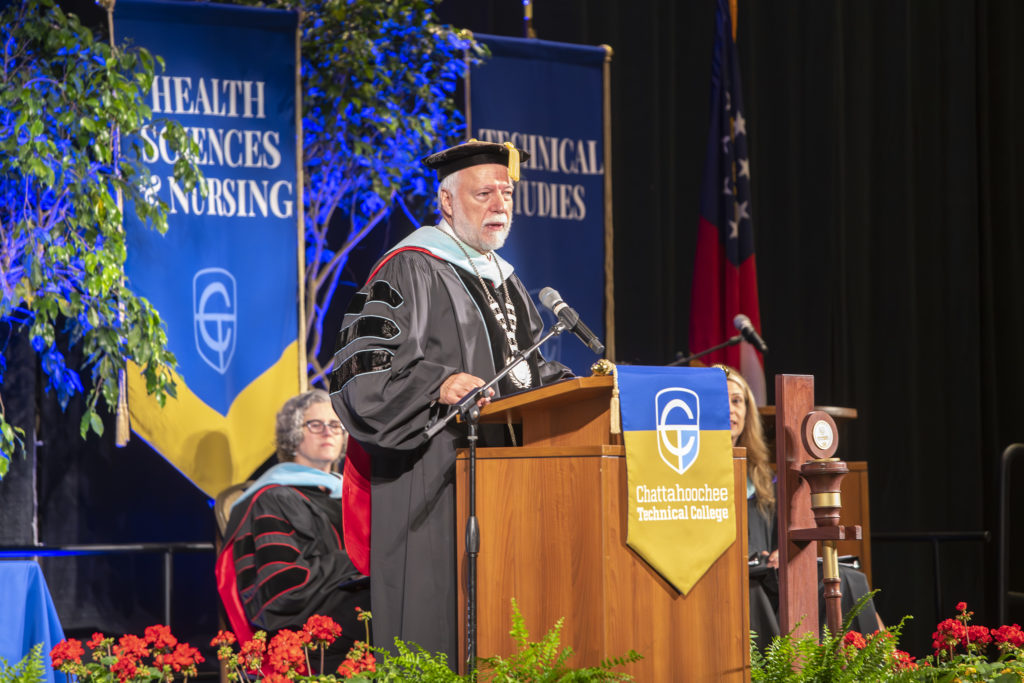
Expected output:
(27, 614)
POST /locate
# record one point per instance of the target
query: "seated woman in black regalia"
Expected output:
(286, 531)
(762, 535)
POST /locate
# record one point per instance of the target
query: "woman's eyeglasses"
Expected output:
(318, 426)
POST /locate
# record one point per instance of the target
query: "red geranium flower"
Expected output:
(66, 650)
(979, 634)
(223, 638)
(854, 638)
(96, 641)
(322, 629)
(948, 634)
(124, 668)
(347, 669)
(961, 606)
(359, 659)
(252, 654)
(903, 660)
(286, 652)
(1009, 634)
(131, 646)
(159, 636)
(185, 657)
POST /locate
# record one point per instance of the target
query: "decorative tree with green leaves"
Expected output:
(68, 100)
(378, 84)
(378, 81)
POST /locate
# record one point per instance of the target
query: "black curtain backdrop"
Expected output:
(885, 145)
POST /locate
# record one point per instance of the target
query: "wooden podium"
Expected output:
(552, 515)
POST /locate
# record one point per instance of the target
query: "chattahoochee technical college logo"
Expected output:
(215, 310)
(677, 416)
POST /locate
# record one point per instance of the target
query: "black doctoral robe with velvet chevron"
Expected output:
(413, 325)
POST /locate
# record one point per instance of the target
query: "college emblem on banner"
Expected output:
(214, 297)
(679, 469)
(678, 423)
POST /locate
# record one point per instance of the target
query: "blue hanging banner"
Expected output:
(225, 277)
(548, 99)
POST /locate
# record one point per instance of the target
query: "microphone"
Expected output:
(552, 301)
(742, 324)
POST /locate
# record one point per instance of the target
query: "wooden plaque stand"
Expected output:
(798, 532)
(856, 504)
(553, 536)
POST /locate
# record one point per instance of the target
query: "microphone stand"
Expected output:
(468, 409)
(728, 342)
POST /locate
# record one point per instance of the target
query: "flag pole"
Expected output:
(300, 228)
(609, 223)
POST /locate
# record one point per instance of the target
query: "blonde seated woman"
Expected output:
(762, 534)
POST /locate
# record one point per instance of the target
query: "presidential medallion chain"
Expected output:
(520, 374)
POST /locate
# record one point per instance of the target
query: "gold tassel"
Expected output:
(513, 162)
(605, 367)
(511, 428)
(616, 417)
(122, 427)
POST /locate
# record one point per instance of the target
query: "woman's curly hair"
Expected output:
(288, 433)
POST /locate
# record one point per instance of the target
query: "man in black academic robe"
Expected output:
(439, 315)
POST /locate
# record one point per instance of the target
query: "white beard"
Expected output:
(476, 237)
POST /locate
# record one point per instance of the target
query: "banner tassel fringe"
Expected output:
(122, 428)
(616, 415)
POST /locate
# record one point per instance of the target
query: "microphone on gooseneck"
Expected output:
(744, 327)
(552, 301)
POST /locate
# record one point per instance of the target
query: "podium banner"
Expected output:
(548, 99)
(225, 277)
(681, 509)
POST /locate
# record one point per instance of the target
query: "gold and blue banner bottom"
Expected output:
(212, 450)
(681, 503)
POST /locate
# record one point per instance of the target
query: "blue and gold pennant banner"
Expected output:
(682, 507)
(225, 277)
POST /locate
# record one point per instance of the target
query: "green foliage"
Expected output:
(412, 663)
(544, 661)
(67, 103)
(999, 671)
(378, 80)
(805, 660)
(28, 670)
